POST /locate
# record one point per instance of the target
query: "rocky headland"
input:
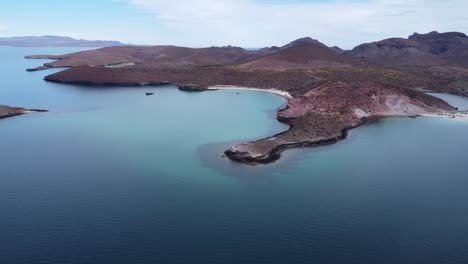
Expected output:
(322, 116)
(7, 111)
(329, 90)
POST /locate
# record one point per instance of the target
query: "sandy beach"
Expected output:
(281, 93)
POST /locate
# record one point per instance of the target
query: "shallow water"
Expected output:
(113, 176)
(457, 101)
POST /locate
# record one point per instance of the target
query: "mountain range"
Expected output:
(450, 48)
(55, 41)
(434, 48)
(417, 50)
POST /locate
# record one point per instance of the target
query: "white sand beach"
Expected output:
(284, 94)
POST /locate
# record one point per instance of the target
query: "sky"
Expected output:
(245, 23)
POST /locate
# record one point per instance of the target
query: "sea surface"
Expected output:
(110, 175)
(458, 101)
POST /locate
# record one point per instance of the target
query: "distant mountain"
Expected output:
(434, 48)
(307, 41)
(338, 49)
(300, 54)
(55, 41)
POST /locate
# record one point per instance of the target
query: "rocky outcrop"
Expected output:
(192, 88)
(314, 129)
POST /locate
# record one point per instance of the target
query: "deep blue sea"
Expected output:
(110, 175)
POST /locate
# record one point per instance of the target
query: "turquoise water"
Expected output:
(457, 101)
(113, 176)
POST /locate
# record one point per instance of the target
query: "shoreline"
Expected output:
(275, 153)
(278, 92)
(312, 121)
(458, 116)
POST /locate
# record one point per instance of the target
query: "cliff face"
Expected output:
(418, 49)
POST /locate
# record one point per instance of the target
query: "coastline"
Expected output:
(458, 116)
(275, 153)
(316, 115)
(240, 155)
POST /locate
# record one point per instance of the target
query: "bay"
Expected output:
(111, 175)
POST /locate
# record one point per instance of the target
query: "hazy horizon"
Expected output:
(244, 23)
(244, 47)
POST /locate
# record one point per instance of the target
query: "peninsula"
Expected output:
(329, 91)
(6, 111)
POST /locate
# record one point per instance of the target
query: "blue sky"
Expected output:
(247, 23)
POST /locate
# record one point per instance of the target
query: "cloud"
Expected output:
(254, 23)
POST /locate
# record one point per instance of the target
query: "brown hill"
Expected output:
(417, 50)
(164, 56)
(337, 49)
(301, 54)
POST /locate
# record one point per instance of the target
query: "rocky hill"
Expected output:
(302, 54)
(299, 54)
(434, 48)
(156, 56)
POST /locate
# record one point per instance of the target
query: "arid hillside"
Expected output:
(302, 54)
(160, 56)
(417, 50)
